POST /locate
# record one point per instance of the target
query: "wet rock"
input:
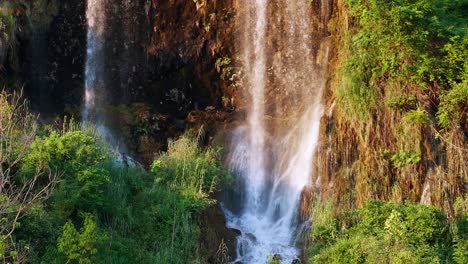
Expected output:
(306, 198)
(251, 237)
(277, 257)
(296, 261)
(237, 231)
(179, 123)
(210, 108)
(217, 241)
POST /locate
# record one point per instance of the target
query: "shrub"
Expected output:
(187, 169)
(394, 43)
(76, 156)
(453, 107)
(403, 158)
(17, 196)
(80, 247)
(386, 232)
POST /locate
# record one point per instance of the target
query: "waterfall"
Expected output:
(95, 79)
(272, 152)
(95, 74)
(94, 68)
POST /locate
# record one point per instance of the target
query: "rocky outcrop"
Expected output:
(218, 243)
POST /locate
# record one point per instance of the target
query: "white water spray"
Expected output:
(95, 86)
(272, 153)
(94, 68)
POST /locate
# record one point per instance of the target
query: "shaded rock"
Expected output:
(218, 242)
(251, 237)
(237, 231)
(3, 48)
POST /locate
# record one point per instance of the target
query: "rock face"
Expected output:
(164, 52)
(158, 52)
(187, 39)
(46, 51)
(3, 48)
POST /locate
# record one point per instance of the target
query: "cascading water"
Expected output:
(95, 76)
(272, 153)
(94, 68)
(95, 86)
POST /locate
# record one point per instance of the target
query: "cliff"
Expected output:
(384, 136)
(381, 135)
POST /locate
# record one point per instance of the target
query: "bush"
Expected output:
(387, 232)
(80, 247)
(392, 44)
(125, 214)
(76, 156)
(453, 107)
(128, 215)
(18, 196)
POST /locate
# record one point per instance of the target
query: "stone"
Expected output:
(237, 231)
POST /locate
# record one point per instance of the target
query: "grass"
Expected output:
(102, 211)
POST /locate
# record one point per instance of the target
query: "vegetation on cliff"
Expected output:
(399, 128)
(398, 134)
(388, 232)
(69, 199)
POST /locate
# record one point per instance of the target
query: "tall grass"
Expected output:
(156, 213)
(186, 168)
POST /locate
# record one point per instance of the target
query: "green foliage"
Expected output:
(188, 170)
(71, 152)
(17, 197)
(393, 43)
(324, 225)
(79, 247)
(416, 117)
(453, 106)
(125, 214)
(222, 62)
(274, 260)
(460, 230)
(222, 65)
(76, 156)
(403, 103)
(403, 158)
(128, 215)
(386, 232)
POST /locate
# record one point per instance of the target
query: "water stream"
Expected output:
(94, 67)
(272, 152)
(95, 81)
